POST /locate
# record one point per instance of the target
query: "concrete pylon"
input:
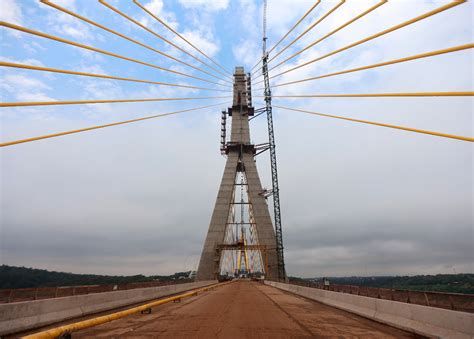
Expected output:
(240, 158)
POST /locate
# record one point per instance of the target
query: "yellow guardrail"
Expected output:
(80, 325)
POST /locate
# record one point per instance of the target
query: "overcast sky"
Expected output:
(137, 199)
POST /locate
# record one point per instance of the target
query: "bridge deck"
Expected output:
(244, 310)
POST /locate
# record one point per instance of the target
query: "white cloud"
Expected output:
(91, 68)
(32, 47)
(215, 5)
(66, 24)
(248, 50)
(11, 12)
(71, 4)
(242, 55)
(29, 61)
(33, 96)
(25, 88)
(155, 6)
(281, 15)
(199, 27)
(201, 41)
(24, 82)
(75, 32)
(99, 89)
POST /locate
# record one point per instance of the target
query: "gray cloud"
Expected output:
(356, 199)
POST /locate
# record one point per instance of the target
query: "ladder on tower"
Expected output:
(223, 132)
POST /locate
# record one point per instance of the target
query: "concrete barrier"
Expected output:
(451, 301)
(423, 320)
(21, 316)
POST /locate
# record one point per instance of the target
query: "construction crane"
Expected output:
(271, 141)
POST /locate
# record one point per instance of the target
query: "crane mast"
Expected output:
(273, 162)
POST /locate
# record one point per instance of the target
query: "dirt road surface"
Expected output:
(243, 309)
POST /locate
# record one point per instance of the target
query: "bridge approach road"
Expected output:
(244, 309)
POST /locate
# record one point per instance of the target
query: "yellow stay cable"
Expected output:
(15, 142)
(64, 10)
(103, 2)
(394, 28)
(381, 64)
(291, 29)
(104, 76)
(82, 102)
(65, 330)
(90, 48)
(438, 134)
(341, 2)
(377, 5)
(369, 95)
(179, 35)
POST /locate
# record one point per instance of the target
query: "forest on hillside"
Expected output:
(23, 277)
(448, 283)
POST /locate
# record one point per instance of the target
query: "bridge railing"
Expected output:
(452, 301)
(28, 294)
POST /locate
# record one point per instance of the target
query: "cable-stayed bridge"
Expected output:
(241, 288)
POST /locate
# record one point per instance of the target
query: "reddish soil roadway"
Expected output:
(244, 309)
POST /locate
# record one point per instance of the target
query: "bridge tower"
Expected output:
(247, 214)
